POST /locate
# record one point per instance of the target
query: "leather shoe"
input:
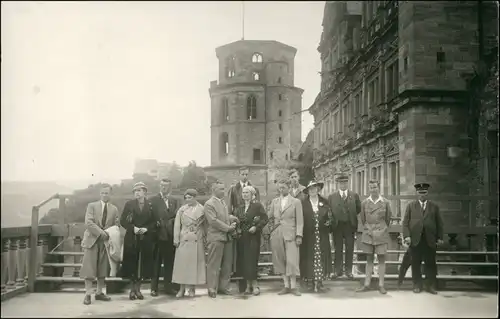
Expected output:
(86, 300)
(363, 289)
(382, 290)
(212, 294)
(102, 297)
(295, 292)
(154, 293)
(225, 292)
(350, 276)
(284, 291)
(431, 290)
(139, 295)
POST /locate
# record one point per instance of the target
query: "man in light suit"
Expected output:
(286, 225)
(220, 245)
(99, 216)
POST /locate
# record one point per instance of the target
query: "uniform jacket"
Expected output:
(353, 207)
(290, 219)
(93, 222)
(415, 221)
(165, 216)
(218, 222)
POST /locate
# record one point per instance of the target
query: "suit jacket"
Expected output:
(415, 221)
(353, 207)
(93, 222)
(290, 219)
(218, 221)
(235, 198)
(165, 216)
(133, 216)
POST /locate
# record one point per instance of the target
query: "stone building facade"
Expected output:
(255, 111)
(394, 95)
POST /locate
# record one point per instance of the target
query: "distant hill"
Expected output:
(18, 197)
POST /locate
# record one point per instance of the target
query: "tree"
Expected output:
(193, 176)
(175, 175)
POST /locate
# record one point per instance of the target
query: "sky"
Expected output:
(88, 87)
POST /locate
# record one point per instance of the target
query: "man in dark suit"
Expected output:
(423, 229)
(165, 208)
(234, 193)
(345, 205)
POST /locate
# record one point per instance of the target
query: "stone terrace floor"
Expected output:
(340, 301)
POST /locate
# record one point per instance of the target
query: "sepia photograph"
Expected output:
(252, 159)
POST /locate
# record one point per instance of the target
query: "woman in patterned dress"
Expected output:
(252, 218)
(315, 251)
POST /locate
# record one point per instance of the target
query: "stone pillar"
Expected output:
(426, 132)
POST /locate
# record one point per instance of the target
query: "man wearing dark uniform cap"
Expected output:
(345, 205)
(423, 231)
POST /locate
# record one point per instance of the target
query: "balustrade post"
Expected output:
(27, 260)
(11, 284)
(77, 241)
(21, 262)
(33, 250)
(5, 263)
(39, 257)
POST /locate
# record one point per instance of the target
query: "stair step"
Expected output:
(264, 264)
(268, 253)
(275, 277)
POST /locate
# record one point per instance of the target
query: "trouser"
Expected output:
(219, 265)
(164, 253)
(343, 233)
(423, 252)
(405, 265)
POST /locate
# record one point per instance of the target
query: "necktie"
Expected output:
(343, 196)
(105, 214)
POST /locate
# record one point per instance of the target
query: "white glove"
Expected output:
(136, 230)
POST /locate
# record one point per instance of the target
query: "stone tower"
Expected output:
(255, 111)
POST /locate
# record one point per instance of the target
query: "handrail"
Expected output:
(34, 242)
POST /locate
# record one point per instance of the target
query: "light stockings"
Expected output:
(381, 270)
(100, 285)
(369, 270)
(88, 286)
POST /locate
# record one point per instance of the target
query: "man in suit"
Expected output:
(286, 224)
(234, 193)
(164, 207)
(345, 205)
(423, 229)
(296, 189)
(99, 216)
(220, 244)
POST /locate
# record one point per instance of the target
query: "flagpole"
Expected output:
(243, 20)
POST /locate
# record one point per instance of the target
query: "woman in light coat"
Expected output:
(189, 237)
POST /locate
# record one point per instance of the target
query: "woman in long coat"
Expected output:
(315, 251)
(140, 224)
(252, 219)
(189, 238)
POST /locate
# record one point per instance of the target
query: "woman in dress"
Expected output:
(315, 251)
(252, 218)
(140, 225)
(189, 237)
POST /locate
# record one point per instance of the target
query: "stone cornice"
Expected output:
(408, 98)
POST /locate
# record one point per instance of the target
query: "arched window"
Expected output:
(224, 144)
(257, 58)
(279, 80)
(230, 66)
(225, 110)
(256, 76)
(251, 107)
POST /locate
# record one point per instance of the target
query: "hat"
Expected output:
(342, 178)
(311, 184)
(191, 192)
(140, 185)
(422, 187)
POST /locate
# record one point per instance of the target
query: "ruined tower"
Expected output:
(255, 111)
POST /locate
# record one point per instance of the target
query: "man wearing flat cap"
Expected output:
(164, 208)
(423, 231)
(345, 206)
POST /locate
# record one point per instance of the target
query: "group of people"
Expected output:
(206, 244)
